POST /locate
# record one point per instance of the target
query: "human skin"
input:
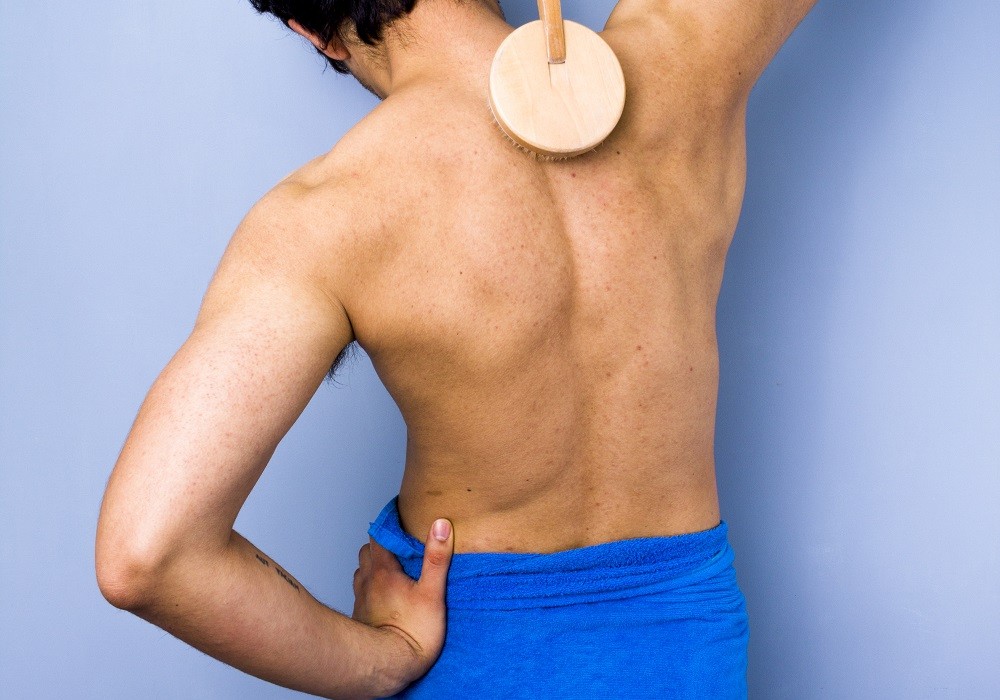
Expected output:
(547, 330)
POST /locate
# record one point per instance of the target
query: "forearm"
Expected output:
(240, 607)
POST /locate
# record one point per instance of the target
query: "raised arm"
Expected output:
(725, 44)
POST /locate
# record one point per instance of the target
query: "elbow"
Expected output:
(124, 581)
(141, 558)
(128, 574)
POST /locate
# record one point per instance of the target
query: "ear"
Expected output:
(335, 49)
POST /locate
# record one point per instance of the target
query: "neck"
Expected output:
(439, 41)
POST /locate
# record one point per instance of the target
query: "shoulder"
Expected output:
(326, 219)
(380, 179)
(362, 177)
(709, 54)
(292, 236)
(676, 93)
(326, 202)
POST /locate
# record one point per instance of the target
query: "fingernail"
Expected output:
(441, 530)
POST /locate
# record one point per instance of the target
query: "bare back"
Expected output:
(547, 329)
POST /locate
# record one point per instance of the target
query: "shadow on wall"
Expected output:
(814, 116)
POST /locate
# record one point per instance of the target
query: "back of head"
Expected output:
(327, 18)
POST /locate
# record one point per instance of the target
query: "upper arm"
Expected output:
(265, 336)
(727, 43)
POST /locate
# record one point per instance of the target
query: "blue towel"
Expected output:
(651, 617)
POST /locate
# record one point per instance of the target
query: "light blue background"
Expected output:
(859, 324)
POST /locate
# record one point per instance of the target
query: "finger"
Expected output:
(382, 558)
(437, 557)
(364, 557)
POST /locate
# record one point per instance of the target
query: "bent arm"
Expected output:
(241, 607)
(166, 550)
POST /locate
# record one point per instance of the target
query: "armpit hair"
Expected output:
(349, 351)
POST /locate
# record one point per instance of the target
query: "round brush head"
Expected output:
(557, 110)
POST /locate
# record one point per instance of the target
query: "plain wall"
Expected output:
(859, 328)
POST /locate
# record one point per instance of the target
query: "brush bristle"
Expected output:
(545, 158)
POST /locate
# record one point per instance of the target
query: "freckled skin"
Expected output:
(547, 328)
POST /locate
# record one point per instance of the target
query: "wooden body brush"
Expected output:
(556, 87)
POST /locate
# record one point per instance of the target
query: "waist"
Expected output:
(620, 569)
(548, 517)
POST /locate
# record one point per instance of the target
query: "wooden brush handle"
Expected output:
(550, 12)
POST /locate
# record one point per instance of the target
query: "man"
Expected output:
(548, 332)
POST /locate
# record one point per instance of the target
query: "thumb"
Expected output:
(437, 557)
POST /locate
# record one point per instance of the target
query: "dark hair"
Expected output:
(349, 351)
(324, 18)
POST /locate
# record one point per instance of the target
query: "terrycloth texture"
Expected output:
(652, 617)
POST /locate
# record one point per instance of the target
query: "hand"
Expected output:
(412, 614)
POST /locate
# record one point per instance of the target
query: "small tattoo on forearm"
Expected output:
(288, 578)
(278, 570)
